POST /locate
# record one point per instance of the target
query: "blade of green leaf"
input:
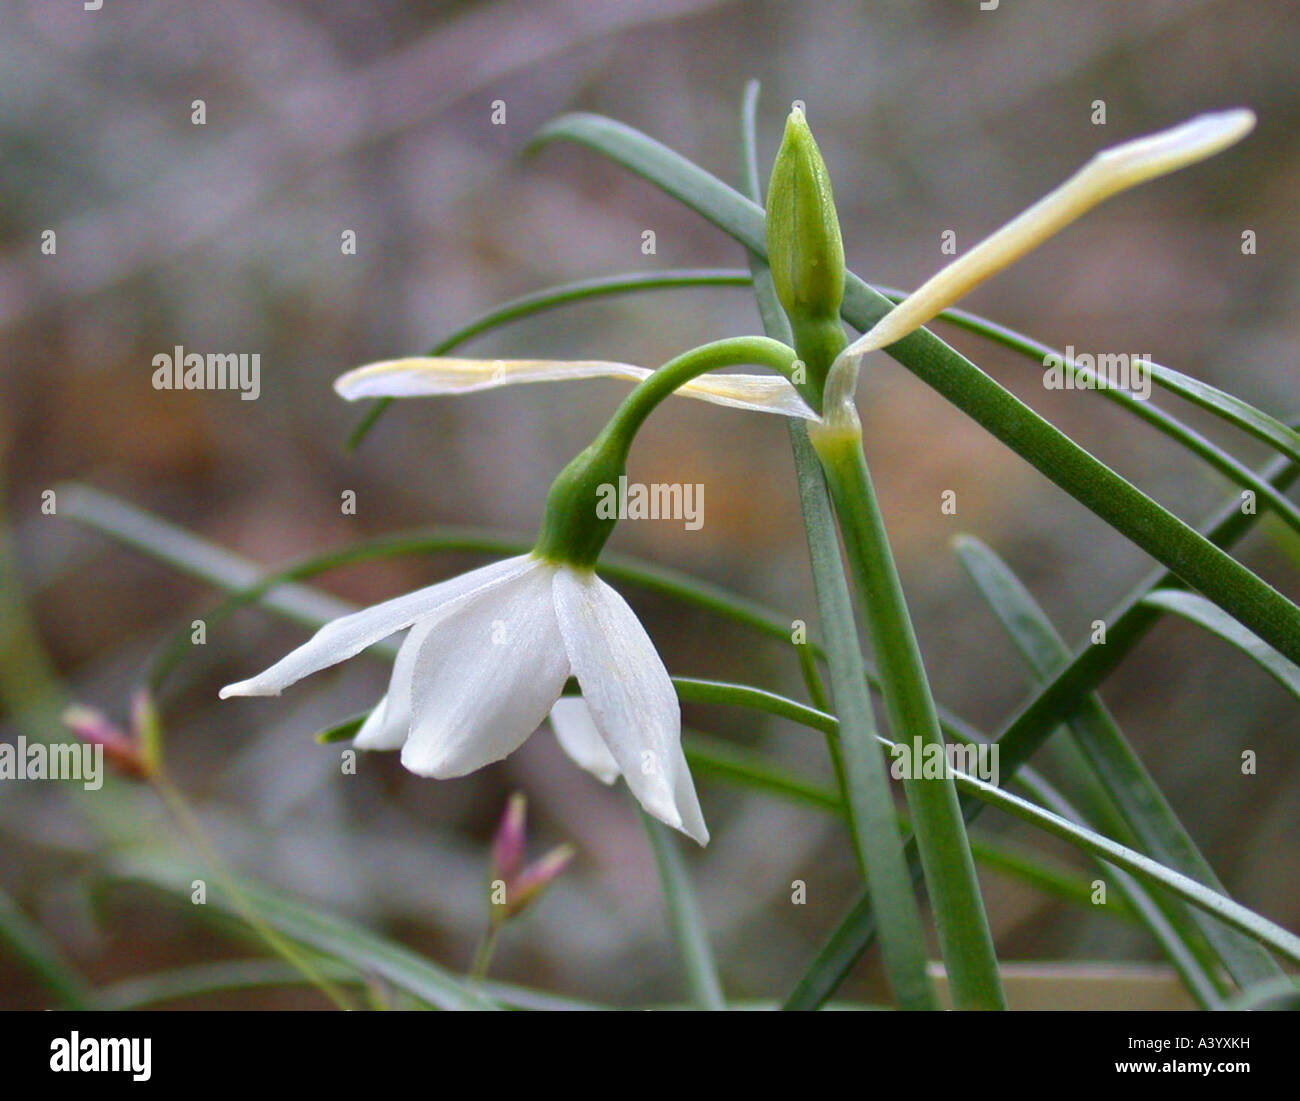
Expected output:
(307, 925)
(712, 758)
(1200, 611)
(1054, 823)
(29, 944)
(1113, 760)
(1163, 421)
(684, 918)
(1024, 734)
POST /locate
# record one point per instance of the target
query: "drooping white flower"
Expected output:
(485, 658)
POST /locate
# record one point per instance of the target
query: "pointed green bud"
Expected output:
(803, 232)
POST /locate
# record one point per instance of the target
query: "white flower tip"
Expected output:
(388, 378)
(1225, 126)
(1167, 150)
(700, 835)
(244, 688)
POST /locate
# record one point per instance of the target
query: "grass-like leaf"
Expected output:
(25, 940)
(1143, 867)
(1116, 765)
(1200, 611)
(1162, 421)
(684, 917)
(330, 936)
(1020, 738)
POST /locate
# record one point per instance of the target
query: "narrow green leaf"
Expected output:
(1164, 422)
(1200, 611)
(1126, 624)
(1024, 734)
(29, 944)
(343, 731)
(197, 980)
(1113, 760)
(1056, 824)
(712, 758)
(331, 936)
(684, 917)
(1232, 409)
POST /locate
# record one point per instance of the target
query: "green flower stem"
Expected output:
(761, 351)
(1021, 738)
(859, 765)
(572, 532)
(483, 954)
(940, 832)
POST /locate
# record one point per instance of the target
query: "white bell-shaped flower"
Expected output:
(486, 657)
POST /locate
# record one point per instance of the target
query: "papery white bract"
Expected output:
(485, 658)
(435, 376)
(1109, 172)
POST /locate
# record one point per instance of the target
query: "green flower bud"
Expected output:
(803, 233)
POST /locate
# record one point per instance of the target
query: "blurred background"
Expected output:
(376, 118)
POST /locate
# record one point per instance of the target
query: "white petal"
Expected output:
(387, 726)
(431, 376)
(576, 732)
(630, 696)
(375, 732)
(486, 677)
(350, 634)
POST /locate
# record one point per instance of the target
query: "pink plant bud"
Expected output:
(539, 875)
(95, 728)
(511, 838)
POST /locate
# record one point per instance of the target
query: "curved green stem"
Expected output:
(760, 351)
(574, 527)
